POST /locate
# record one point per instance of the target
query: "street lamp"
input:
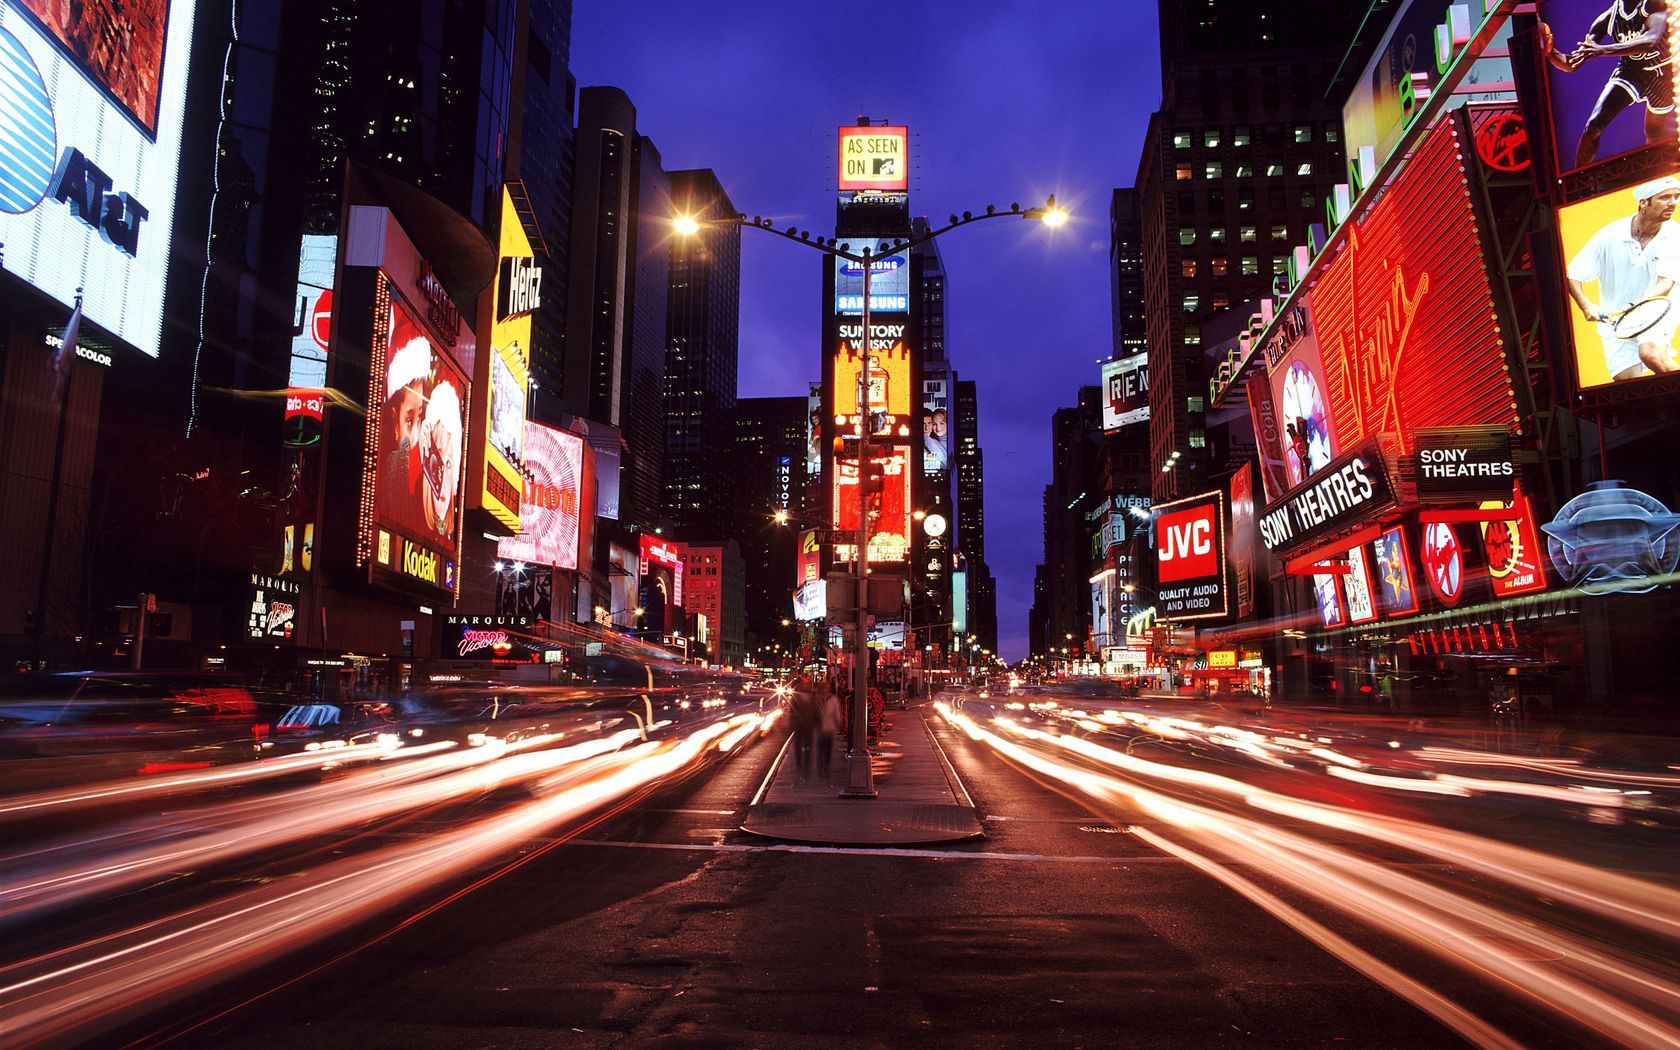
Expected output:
(860, 778)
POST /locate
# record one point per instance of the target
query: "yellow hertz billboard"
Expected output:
(505, 375)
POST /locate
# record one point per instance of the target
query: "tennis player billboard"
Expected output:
(1621, 252)
(1609, 76)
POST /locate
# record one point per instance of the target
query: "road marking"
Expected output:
(945, 763)
(854, 851)
(1044, 820)
(764, 788)
(695, 812)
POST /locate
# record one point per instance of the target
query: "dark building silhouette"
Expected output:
(768, 461)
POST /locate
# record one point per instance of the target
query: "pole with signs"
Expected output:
(860, 775)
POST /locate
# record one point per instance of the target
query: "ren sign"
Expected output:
(1190, 557)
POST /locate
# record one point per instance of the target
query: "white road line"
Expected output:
(851, 851)
(945, 761)
(764, 788)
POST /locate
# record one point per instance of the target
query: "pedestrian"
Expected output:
(828, 727)
(804, 714)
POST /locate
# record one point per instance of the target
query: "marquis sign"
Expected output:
(1346, 490)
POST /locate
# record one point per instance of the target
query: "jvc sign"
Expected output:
(1190, 557)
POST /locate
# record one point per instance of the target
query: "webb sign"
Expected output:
(1190, 557)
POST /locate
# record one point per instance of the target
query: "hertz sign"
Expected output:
(502, 378)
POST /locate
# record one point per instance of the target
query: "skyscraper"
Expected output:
(702, 354)
(615, 319)
(1125, 274)
(768, 461)
(1235, 167)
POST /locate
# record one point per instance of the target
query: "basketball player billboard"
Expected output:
(1621, 250)
(1609, 75)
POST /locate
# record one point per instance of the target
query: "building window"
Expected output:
(1198, 439)
(1305, 168)
(1219, 266)
(1274, 170)
(1280, 232)
(1245, 171)
(1247, 235)
(1307, 200)
(1185, 172)
(1250, 266)
(1245, 198)
(1274, 198)
(1181, 140)
(1280, 266)
(1192, 335)
(1210, 137)
(1240, 135)
(1186, 202)
(1303, 133)
(1217, 235)
(1330, 134)
(1187, 267)
(1186, 235)
(1213, 169)
(1221, 301)
(1192, 302)
(1194, 403)
(1216, 201)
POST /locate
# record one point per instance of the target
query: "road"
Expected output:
(1085, 917)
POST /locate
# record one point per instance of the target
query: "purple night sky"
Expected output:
(1005, 103)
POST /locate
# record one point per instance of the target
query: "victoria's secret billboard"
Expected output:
(1403, 326)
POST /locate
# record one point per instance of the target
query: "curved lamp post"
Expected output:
(860, 779)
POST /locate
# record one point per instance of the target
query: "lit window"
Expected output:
(1247, 235)
(1217, 235)
(1186, 235)
(1198, 439)
(1213, 169)
(1245, 171)
(1250, 266)
(1280, 266)
(1220, 301)
(1181, 140)
(1186, 172)
(1240, 135)
(1193, 403)
(1280, 232)
(1245, 198)
(1305, 168)
(1274, 170)
(1303, 133)
(1307, 200)
(1192, 335)
(1219, 266)
(1192, 302)
(1330, 134)
(1187, 267)
(1210, 137)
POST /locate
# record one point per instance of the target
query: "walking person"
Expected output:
(828, 727)
(805, 715)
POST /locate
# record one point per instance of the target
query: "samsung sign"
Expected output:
(90, 142)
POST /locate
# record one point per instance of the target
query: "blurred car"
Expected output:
(145, 723)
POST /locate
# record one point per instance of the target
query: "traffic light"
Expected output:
(874, 479)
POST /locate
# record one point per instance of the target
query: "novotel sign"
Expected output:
(1346, 490)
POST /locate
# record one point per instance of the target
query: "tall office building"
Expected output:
(1125, 274)
(541, 155)
(769, 457)
(702, 355)
(717, 591)
(1235, 167)
(969, 461)
(615, 318)
(1076, 487)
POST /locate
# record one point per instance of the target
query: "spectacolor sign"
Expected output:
(874, 158)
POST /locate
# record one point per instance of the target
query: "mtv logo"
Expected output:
(885, 166)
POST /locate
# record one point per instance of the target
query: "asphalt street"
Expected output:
(665, 926)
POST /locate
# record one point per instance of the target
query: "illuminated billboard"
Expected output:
(1356, 587)
(1329, 600)
(936, 426)
(1394, 573)
(1606, 99)
(421, 397)
(874, 158)
(503, 378)
(306, 381)
(889, 534)
(1401, 331)
(91, 104)
(548, 510)
(810, 600)
(661, 590)
(889, 279)
(889, 375)
(1515, 562)
(1617, 246)
(1190, 557)
(814, 431)
(1125, 385)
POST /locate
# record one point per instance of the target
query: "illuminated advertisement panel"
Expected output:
(1125, 385)
(810, 600)
(1394, 573)
(548, 511)
(1515, 558)
(1404, 324)
(1356, 586)
(421, 399)
(1243, 529)
(1308, 439)
(1606, 100)
(1190, 557)
(503, 377)
(874, 159)
(889, 279)
(306, 381)
(936, 426)
(1329, 599)
(810, 557)
(889, 535)
(91, 103)
(498, 639)
(814, 431)
(889, 375)
(1616, 247)
(661, 591)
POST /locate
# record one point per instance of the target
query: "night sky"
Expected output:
(1006, 102)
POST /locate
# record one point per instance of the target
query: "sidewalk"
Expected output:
(920, 800)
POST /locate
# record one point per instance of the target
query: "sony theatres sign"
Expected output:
(1346, 491)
